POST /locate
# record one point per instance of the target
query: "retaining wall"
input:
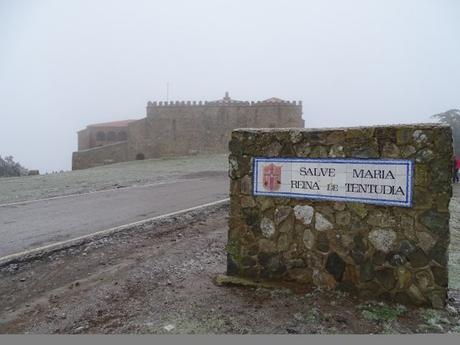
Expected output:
(107, 154)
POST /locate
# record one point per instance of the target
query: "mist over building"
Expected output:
(173, 128)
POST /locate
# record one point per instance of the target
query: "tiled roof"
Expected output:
(274, 100)
(122, 123)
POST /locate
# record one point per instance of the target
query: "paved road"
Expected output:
(30, 225)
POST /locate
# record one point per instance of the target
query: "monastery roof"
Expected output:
(122, 123)
(226, 100)
(274, 100)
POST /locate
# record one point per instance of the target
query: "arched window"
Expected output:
(112, 136)
(140, 156)
(122, 136)
(100, 136)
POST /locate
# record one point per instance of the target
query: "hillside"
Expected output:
(121, 175)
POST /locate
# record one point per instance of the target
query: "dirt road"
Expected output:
(160, 280)
(33, 224)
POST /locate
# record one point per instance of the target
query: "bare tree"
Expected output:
(452, 118)
(8, 167)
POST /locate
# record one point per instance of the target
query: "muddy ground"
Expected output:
(160, 280)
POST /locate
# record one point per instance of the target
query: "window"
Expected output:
(112, 136)
(122, 136)
(100, 136)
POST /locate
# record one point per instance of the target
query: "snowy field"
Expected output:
(119, 175)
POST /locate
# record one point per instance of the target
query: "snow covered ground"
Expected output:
(113, 176)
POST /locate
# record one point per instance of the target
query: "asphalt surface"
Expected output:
(29, 225)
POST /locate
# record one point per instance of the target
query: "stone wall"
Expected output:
(395, 253)
(108, 154)
(182, 129)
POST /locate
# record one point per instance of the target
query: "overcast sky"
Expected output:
(66, 64)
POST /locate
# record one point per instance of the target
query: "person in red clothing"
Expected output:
(456, 168)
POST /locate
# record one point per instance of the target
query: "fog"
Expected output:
(67, 64)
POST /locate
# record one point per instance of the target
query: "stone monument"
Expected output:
(364, 209)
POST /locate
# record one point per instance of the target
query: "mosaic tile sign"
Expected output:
(380, 182)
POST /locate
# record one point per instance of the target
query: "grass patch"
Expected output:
(381, 312)
(434, 317)
(433, 320)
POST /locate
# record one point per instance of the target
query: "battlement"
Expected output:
(210, 104)
(226, 101)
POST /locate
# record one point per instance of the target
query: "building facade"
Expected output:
(180, 128)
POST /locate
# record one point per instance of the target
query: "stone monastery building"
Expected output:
(180, 128)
